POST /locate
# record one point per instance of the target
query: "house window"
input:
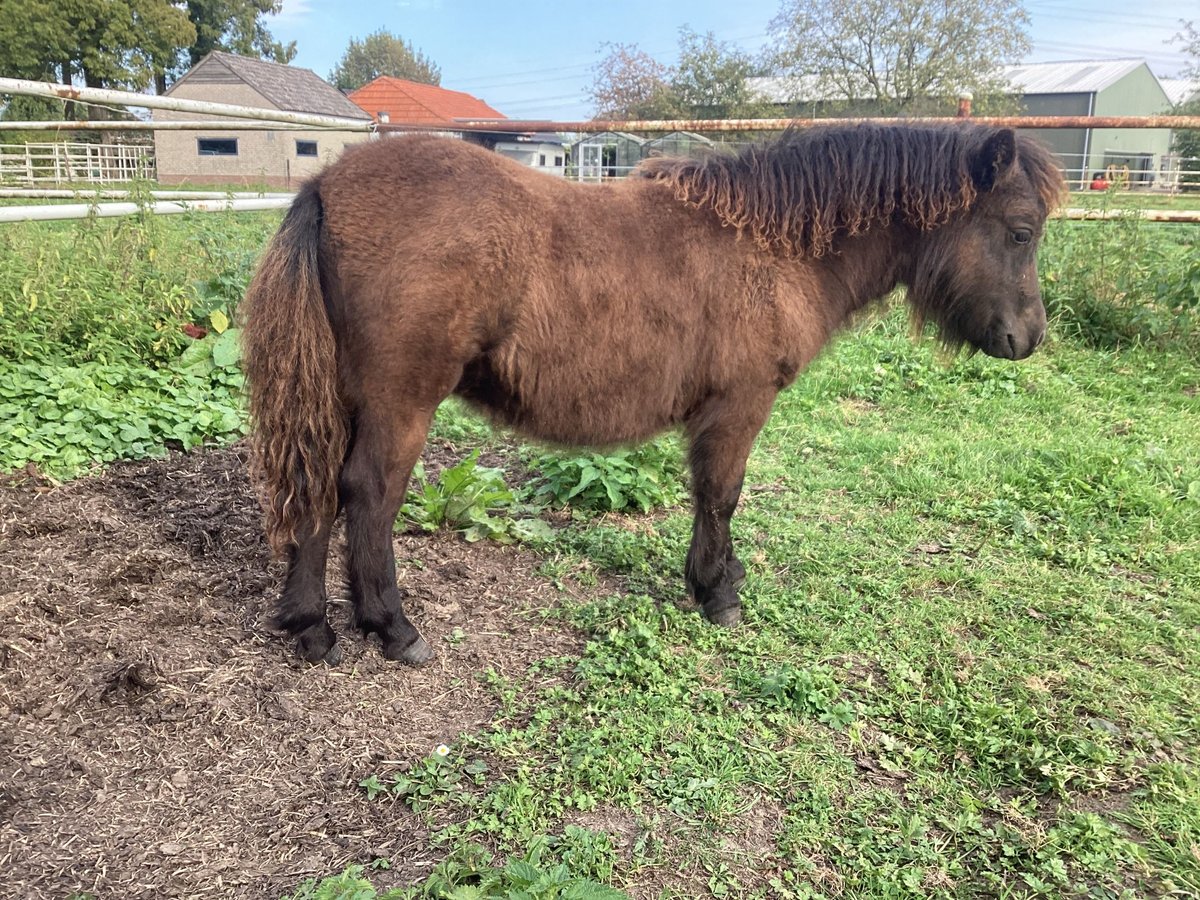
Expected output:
(217, 146)
(306, 148)
(558, 161)
(541, 159)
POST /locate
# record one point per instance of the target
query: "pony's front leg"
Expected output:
(372, 486)
(721, 437)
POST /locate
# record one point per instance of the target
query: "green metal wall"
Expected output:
(1137, 94)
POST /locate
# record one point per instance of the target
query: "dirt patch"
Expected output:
(158, 740)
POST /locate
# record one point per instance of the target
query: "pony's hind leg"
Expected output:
(301, 608)
(372, 487)
(721, 437)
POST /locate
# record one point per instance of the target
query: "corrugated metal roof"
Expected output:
(290, 88)
(1088, 76)
(414, 103)
(1180, 90)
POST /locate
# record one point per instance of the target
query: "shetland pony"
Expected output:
(687, 295)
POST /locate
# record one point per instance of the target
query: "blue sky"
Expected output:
(534, 59)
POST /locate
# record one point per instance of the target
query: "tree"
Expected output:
(382, 53)
(905, 56)
(631, 84)
(710, 81)
(235, 26)
(1186, 142)
(109, 43)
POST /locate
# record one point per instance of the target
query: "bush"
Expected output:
(1123, 281)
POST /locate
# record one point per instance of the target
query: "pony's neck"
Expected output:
(866, 267)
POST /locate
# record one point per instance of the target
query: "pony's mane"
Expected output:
(799, 192)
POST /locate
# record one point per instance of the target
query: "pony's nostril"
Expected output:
(1012, 344)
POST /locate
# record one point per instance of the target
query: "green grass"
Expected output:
(969, 666)
(969, 661)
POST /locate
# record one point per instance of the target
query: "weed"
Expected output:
(643, 478)
(474, 500)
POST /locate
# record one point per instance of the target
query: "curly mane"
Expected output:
(799, 192)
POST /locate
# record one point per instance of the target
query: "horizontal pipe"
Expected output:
(1150, 215)
(109, 194)
(282, 201)
(160, 208)
(139, 125)
(523, 125)
(157, 101)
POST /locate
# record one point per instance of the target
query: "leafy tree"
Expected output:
(707, 82)
(235, 26)
(631, 84)
(1186, 142)
(111, 43)
(905, 56)
(382, 53)
(710, 80)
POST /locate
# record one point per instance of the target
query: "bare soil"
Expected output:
(158, 740)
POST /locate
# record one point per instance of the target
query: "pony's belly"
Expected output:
(560, 410)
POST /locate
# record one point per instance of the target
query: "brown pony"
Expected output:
(688, 295)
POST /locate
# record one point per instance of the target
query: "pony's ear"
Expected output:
(995, 158)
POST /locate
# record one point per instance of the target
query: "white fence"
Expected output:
(67, 162)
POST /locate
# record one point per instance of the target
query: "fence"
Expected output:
(64, 162)
(606, 150)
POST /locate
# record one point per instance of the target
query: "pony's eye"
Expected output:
(1022, 236)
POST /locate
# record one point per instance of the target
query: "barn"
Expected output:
(272, 158)
(1107, 87)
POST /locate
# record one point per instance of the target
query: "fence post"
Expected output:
(964, 105)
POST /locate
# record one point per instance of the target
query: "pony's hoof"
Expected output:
(318, 644)
(416, 653)
(333, 656)
(726, 616)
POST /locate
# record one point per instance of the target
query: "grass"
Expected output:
(969, 662)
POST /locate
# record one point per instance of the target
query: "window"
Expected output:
(217, 146)
(558, 161)
(541, 159)
(306, 148)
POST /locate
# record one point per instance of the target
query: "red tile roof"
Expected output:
(410, 102)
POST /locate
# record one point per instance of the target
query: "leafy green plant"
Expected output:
(65, 418)
(642, 477)
(808, 692)
(470, 873)
(1122, 280)
(474, 500)
(427, 783)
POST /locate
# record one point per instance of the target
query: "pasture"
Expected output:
(968, 665)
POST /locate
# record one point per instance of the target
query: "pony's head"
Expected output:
(970, 202)
(975, 274)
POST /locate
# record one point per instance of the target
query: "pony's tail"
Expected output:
(290, 358)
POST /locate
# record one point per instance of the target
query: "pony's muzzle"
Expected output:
(1016, 338)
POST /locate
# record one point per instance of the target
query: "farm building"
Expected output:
(272, 158)
(399, 104)
(540, 150)
(609, 154)
(1111, 87)
(678, 143)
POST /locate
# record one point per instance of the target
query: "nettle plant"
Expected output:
(642, 478)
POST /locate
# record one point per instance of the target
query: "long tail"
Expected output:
(289, 354)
